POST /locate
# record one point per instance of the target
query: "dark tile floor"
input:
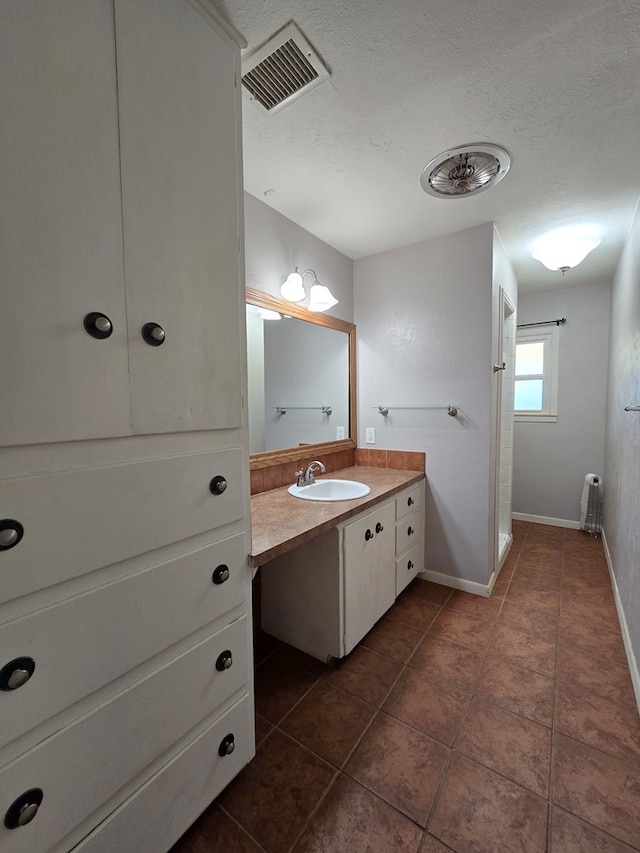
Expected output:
(458, 723)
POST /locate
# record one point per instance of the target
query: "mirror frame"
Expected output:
(275, 457)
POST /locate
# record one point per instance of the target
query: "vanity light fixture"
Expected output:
(320, 297)
(564, 249)
(268, 314)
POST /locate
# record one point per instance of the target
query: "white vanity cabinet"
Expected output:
(126, 677)
(409, 535)
(325, 595)
(369, 587)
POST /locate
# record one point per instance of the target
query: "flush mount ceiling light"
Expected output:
(464, 171)
(564, 249)
(320, 297)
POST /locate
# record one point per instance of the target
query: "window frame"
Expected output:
(551, 341)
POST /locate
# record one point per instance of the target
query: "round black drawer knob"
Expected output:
(98, 325)
(23, 810)
(225, 660)
(218, 485)
(379, 528)
(153, 334)
(409, 565)
(16, 673)
(410, 531)
(410, 502)
(11, 532)
(221, 574)
(368, 535)
(227, 745)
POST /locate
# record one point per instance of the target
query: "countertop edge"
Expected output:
(334, 513)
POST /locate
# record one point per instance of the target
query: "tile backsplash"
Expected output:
(283, 474)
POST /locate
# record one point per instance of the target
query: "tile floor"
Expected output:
(458, 723)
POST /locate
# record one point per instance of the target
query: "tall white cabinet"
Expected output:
(126, 692)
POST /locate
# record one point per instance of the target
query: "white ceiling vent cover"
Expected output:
(464, 171)
(282, 69)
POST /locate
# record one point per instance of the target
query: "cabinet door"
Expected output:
(369, 571)
(60, 224)
(180, 149)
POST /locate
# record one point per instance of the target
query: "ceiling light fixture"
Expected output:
(464, 171)
(564, 249)
(320, 297)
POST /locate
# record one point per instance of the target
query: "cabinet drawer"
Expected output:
(157, 815)
(408, 532)
(84, 643)
(409, 501)
(408, 566)
(85, 764)
(78, 521)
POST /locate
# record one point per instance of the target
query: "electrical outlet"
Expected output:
(339, 433)
(370, 435)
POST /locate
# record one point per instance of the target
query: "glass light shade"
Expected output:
(321, 298)
(293, 289)
(562, 253)
(268, 314)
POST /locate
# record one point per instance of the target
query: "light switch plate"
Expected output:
(370, 435)
(339, 433)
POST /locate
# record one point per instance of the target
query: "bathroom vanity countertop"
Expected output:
(281, 522)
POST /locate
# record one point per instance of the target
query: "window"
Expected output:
(536, 379)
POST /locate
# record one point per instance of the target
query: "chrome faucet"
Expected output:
(305, 478)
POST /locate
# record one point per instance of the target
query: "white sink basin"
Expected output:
(330, 490)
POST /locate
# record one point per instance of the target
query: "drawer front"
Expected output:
(78, 521)
(157, 815)
(408, 532)
(83, 765)
(409, 501)
(125, 623)
(408, 566)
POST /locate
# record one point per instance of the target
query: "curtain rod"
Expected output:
(560, 322)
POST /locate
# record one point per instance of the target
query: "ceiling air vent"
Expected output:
(282, 69)
(465, 171)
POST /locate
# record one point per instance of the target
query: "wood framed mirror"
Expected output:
(309, 369)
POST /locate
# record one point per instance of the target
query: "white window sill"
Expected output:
(533, 418)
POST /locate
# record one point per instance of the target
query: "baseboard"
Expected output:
(502, 559)
(631, 658)
(543, 519)
(456, 583)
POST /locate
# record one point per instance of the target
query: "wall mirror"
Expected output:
(301, 388)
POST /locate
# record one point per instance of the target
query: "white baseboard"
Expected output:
(631, 658)
(456, 583)
(543, 519)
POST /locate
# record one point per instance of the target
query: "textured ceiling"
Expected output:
(555, 82)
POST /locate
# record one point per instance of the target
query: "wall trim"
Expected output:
(456, 583)
(543, 519)
(631, 658)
